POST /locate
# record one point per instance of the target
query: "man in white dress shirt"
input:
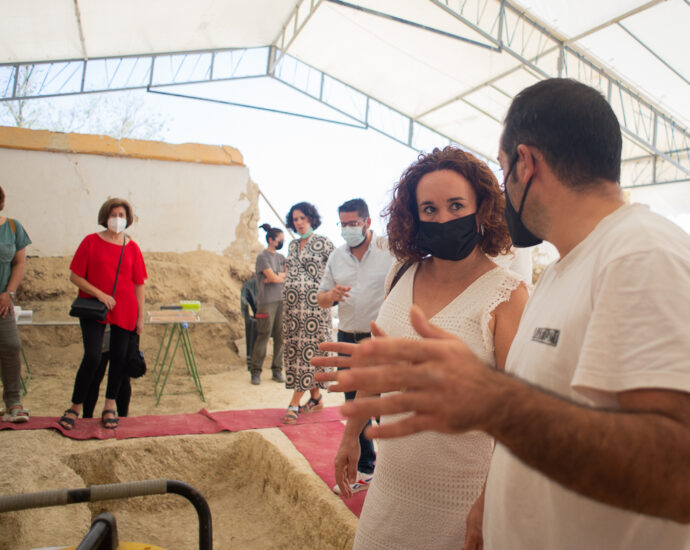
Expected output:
(354, 279)
(592, 415)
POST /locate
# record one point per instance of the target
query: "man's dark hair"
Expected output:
(572, 125)
(309, 210)
(355, 205)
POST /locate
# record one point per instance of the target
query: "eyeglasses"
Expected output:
(355, 223)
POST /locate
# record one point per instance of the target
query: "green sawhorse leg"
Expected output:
(181, 330)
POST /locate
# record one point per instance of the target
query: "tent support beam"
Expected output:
(640, 119)
(413, 24)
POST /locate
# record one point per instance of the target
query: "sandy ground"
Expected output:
(262, 492)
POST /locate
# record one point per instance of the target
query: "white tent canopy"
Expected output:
(412, 69)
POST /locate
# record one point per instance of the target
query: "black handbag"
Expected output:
(88, 308)
(136, 365)
(93, 308)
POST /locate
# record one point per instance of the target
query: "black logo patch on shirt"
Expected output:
(547, 336)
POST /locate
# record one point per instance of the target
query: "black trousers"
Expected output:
(367, 457)
(92, 337)
(123, 397)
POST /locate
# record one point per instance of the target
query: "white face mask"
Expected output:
(353, 236)
(117, 225)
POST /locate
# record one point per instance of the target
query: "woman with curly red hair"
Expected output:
(444, 222)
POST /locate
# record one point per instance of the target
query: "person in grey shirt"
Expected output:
(354, 279)
(270, 276)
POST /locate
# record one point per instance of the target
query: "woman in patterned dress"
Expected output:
(305, 324)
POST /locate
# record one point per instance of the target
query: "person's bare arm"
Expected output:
(139, 291)
(18, 265)
(347, 457)
(636, 458)
(273, 277)
(86, 286)
(327, 298)
(506, 320)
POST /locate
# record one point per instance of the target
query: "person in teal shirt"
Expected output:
(13, 243)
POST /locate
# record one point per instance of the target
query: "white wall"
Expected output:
(178, 206)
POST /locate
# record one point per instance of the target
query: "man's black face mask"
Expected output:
(521, 236)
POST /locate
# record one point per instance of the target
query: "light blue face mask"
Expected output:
(307, 234)
(353, 236)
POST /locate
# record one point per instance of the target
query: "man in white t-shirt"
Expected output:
(592, 417)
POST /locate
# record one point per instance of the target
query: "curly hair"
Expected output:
(309, 210)
(107, 208)
(403, 216)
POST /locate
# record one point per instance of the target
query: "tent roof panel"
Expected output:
(400, 63)
(35, 30)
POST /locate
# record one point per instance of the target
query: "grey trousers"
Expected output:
(270, 325)
(10, 361)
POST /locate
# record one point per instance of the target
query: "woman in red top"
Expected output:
(93, 271)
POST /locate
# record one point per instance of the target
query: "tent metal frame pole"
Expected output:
(631, 106)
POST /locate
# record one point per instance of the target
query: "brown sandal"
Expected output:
(67, 422)
(290, 416)
(312, 405)
(109, 423)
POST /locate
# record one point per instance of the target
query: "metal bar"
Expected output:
(476, 152)
(202, 509)
(267, 109)
(658, 57)
(313, 6)
(614, 21)
(127, 88)
(187, 343)
(77, 14)
(135, 56)
(282, 221)
(159, 393)
(165, 355)
(650, 147)
(467, 22)
(655, 183)
(413, 24)
(83, 76)
(16, 78)
(151, 69)
(160, 348)
(583, 61)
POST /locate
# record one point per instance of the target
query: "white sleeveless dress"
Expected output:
(426, 483)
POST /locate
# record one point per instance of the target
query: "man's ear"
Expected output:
(525, 163)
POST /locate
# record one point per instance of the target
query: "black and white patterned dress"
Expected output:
(305, 324)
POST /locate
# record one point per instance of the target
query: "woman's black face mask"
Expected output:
(521, 236)
(453, 240)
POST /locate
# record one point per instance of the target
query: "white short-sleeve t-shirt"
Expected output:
(612, 315)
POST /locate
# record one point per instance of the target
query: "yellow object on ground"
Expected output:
(190, 304)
